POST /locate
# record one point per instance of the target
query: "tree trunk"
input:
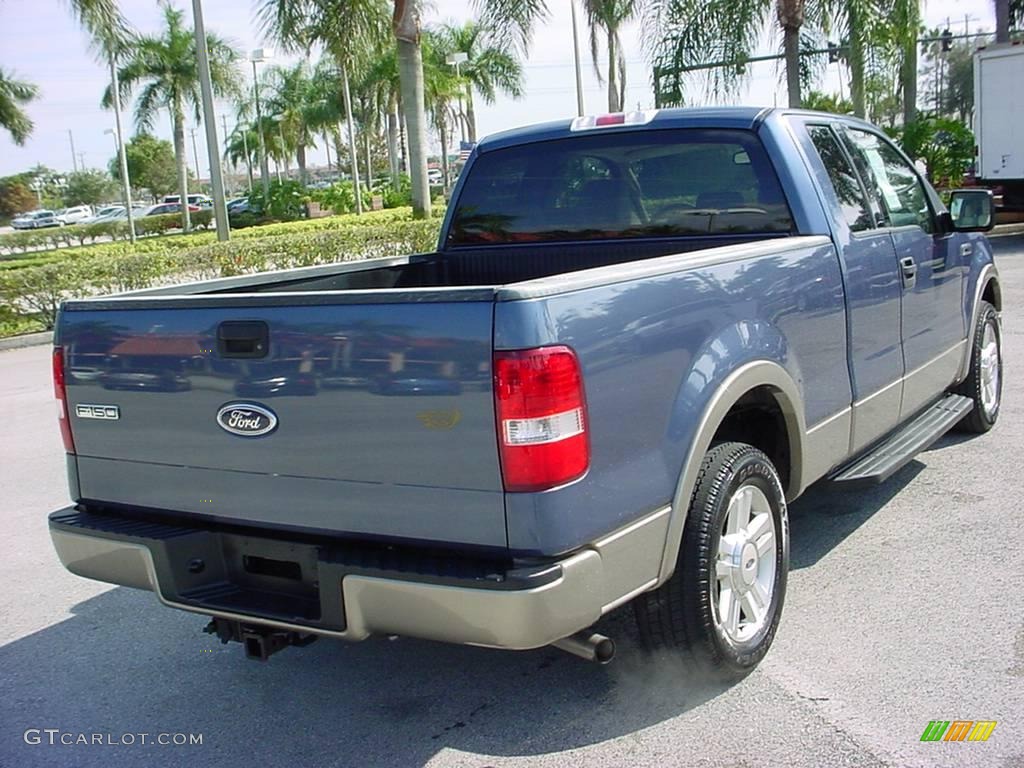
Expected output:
(179, 155)
(300, 160)
(470, 115)
(909, 76)
(1002, 21)
(410, 72)
(353, 160)
(442, 127)
(791, 14)
(856, 65)
(393, 159)
(791, 41)
(613, 75)
(369, 160)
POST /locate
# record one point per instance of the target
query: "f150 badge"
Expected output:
(246, 419)
(104, 412)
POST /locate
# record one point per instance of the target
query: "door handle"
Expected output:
(909, 269)
(245, 339)
(966, 250)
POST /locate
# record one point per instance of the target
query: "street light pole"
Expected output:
(576, 59)
(257, 56)
(456, 60)
(122, 154)
(220, 211)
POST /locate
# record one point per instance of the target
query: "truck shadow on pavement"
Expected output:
(827, 513)
(124, 664)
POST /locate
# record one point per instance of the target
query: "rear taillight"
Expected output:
(542, 418)
(60, 392)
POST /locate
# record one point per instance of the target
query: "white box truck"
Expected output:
(999, 120)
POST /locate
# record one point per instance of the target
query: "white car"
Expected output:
(435, 177)
(76, 214)
(104, 213)
(37, 220)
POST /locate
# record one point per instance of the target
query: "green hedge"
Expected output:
(52, 238)
(38, 243)
(34, 292)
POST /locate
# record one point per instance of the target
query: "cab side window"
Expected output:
(894, 181)
(848, 189)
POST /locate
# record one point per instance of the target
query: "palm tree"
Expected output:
(345, 28)
(688, 33)
(489, 67)
(14, 94)
(380, 76)
(165, 69)
(442, 88)
(608, 16)
(294, 101)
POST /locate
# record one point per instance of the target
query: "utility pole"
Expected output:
(220, 210)
(81, 160)
(74, 162)
(576, 59)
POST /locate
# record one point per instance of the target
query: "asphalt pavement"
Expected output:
(903, 607)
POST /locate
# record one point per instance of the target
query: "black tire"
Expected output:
(681, 613)
(982, 419)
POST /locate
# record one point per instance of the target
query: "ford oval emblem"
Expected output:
(246, 419)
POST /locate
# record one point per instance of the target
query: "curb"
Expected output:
(27, 340)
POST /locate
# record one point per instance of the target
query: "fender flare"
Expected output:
(757, 373)
(988, 275)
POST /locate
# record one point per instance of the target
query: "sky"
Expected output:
(41, 43)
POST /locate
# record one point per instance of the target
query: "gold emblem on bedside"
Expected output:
(440, 420)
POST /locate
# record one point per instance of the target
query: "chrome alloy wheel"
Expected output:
(991, 369)
(745, 567)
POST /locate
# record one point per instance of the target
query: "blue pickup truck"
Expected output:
(642, 335)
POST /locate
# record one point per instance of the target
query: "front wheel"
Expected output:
(984, 382)
(722, 605)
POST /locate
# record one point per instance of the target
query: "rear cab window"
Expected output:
(625, 184)
(850, 193)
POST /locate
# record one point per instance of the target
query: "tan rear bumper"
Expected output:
(591, 582)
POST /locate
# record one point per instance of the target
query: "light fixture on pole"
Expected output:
(259, 56)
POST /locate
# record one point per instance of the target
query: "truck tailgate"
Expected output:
(357, 418)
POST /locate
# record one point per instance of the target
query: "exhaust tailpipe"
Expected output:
(588, 645)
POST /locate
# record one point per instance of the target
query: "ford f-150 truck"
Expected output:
(642, 335)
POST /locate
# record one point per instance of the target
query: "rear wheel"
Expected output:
(722, 605)
(984, 382)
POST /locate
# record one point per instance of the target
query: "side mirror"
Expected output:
(972, 210)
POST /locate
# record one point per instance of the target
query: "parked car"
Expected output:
(36, 220)
(104, 213)
(641, 337)
(76, 214)
(161, 209)
(435, 176)
(202, 201)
